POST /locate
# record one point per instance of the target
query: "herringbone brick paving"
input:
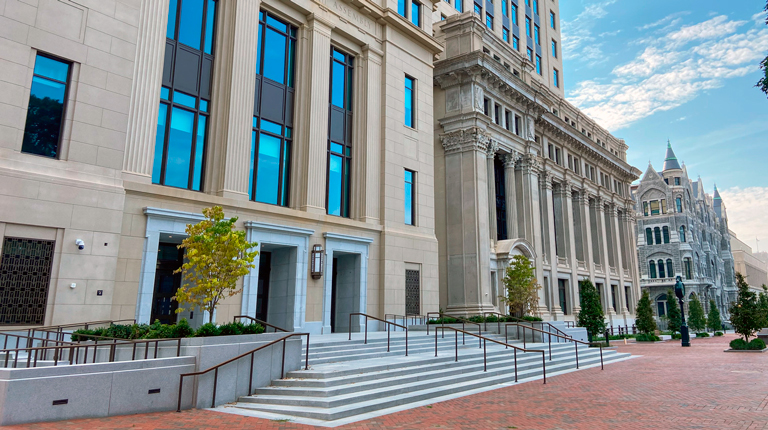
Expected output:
(669, 387)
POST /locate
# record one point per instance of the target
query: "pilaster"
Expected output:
(547, 209)
(620, 301)
(491, 181)
(368, 163)
(586, 225)
(529, 225)
(510, 193)
(607, 295)
(570, 227)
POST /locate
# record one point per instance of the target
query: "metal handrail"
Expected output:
(250, 380)
(570, 324)
(576, 342)
(388, 323)
(63, 326)
(541, 323)
(264, 323)
(413, 318)
(463, 323)
(74, 350)
(484, 340)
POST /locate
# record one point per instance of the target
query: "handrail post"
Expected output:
(515, 365)
(577, 354)
(306, 356)
(181, 384)
(350, 327)
(366, 332)
(549, 336)
(282, 367)
(178, 348)
(456, 346)
(215, 380)
(544, 366)
(406, 341)
(435, 341)
(485, 359)
(602, 366)
(250, 378)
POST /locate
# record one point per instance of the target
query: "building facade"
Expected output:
(683, 231)
(519, 170)
(310, 121)
(754, 266)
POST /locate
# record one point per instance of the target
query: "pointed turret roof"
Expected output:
(670, 162)
(717, 194)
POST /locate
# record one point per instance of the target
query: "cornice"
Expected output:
(472, 139)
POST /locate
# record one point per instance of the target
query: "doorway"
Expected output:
(169, 259)
(262, 294)
(345, 291)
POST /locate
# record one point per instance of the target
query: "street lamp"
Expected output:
(680, 293)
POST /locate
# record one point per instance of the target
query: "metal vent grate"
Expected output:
(25, 275)
(412, 293)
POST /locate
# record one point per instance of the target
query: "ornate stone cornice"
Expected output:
(493, 146)
(472, 139)
(510, 159)
(530, 164)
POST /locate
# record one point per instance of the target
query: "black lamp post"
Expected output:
(680, 293)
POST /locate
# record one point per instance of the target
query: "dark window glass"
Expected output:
(45, 111)
(513, 18)
(657, 234)
(504, 9)
(339, 135)
(648, 236)
(537, 34)
(401, 7)
(670, 268)
(271, 139)
(682, 233)
(652, 269)
(416, 13)
(410, 217)
(666, 234)
(662, 274)
(409, 101)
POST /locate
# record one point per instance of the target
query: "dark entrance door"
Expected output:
(501, 200)
(169, 259)
(262, 295)
(334, 277)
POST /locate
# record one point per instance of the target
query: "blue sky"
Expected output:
(681, 70)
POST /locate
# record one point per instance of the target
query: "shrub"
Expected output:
(591, 315)
(233, 328)
(254, 328)
(477, 319)
(119, 331)
(645, 322)
(647, 337)
(746, 315)
(756, 344)
(531, 318)
(718, 333)
(702, 334)
(208, 329)
(677, 336)
(739, 344)
(76, 335)
(182, 329)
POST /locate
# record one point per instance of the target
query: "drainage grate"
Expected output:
(60, 402)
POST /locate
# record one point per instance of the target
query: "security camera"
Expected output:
(80, 244)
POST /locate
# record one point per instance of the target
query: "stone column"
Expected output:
(468, 241)
(547, 207)
(608, 305)
(312, 136)
(491, 181)
(367, 160)
(573, 289)
(145, 92)
(586, 225)
(510, 193)
(634, 268)
(620, 301)
(530, 219)
(234, 83)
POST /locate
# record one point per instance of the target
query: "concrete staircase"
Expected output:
(350, 381)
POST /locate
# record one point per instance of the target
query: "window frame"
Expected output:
(346, 155)
(412, 118)
(413, 196)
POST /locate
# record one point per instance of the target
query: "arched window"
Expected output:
(679, 205)
(666, 234)
(682, 233)
(670, 268)
(652, 269)
(661, 269)
(648, 236)
(657, 233)
(687, 269)
(661, 305)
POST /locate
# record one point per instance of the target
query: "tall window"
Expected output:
(677, 181)
(555, 78)
(410, 198)
(401, 7)
(410, 119)
(679, 205)
(504, 7)
(652, 269)
(536, 34)
(552, 19)
(648, 236)
(655, 208)
(538, 64)
(661, 305)
(554, 48)
(536, 7)
(513, 16)
(661, 269)
(530, 54)
(272, 133)
(682, 233)
(459, 5)
(416, 13)
(516, 43)
(339, 134)
(657, 234)
(489, 21)
(505, 34)
(665, 231)
(45, 111)
(670, 268)
(528, 26)
(645, 208)
(687, 268)
(184, 97)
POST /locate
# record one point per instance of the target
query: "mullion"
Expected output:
(164, 162)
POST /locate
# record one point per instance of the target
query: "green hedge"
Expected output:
(481, 319)
(753, 345)
(702, 334)
(718, 333)
(677, 336)
(166, 331)
(642, 337)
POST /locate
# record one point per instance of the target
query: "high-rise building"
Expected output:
(750, 264)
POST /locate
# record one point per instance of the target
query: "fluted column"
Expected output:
(620, 301)
(468, 242)
(491, 172)
(586, 225)
(608, 305)
(313, 136)
(530, 218)
(510, 193)
(234, 84)
(145, 92)
(571, 239)
(547, 209)
(368, 162)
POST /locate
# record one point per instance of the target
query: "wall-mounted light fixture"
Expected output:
(317, 261)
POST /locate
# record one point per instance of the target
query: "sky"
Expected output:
(684, 71)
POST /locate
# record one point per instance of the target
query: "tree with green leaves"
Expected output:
(762, 302)
(697, 321)
(713, 319)
(217, 256)
(645, 322)
(591, 315)
(673, 312)
(763, 82)
(746, 316)
(522, 288)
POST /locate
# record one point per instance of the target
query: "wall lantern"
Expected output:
(317, 261)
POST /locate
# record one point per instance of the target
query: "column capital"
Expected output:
(510, 159)
(583, 198)
(490, 151)
(530, 164)
(597, 203)
(472, 139)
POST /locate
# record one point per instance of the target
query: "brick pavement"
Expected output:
(669, 387)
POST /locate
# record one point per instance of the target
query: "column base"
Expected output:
(470, 309)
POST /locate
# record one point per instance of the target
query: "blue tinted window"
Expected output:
(409, 101)
(554, 49)
(337, 84)
(170, 31)
(268, 169)
(401, 7)
(552, 19)
(555, 78)
(478, 9)
(513, 18)
(504, 9)
(179, 148)
(286, 170)
(459, 5)
(203, 106)
(157, 165)
(334, 185)
(416, 13)
(489, 21)
(184, 99)
(271, 127)
(536, 7)
(45, 111)
(530, 54)
(279, 25)
(210, 18)
(165, 93)
(254, 135)
(274, 56)
(258, 48)
(536, 34)
(528, 26)
(538, 64)
(408, 196)
(191, 23)
(505, 34)
(197, 172)
(291, 49)
(338, 149)
(516, 42)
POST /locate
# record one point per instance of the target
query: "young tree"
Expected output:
(713, 319)
(591, 315)
(217, 256)
(697, 321)
(762, 302)
(645, 322)
(746, 317)
(673, 312)
(522, 287)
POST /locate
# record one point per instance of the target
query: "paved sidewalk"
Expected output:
(669, 387)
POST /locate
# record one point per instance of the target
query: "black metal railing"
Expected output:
(619, 330)
(59, 332)
(388, 323)
(549, 335)
(215, 368)
(463, 321)
(264, 323)
(414, 319)
(484, 340)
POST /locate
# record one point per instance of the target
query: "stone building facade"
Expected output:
(754, 266)
(682, 231)
(310, 121)
(519, 170)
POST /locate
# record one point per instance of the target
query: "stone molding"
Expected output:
(472, 139)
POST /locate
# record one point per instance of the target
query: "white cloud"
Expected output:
(671, 70)
(577, 33)
(747, 210)
(667, 20)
